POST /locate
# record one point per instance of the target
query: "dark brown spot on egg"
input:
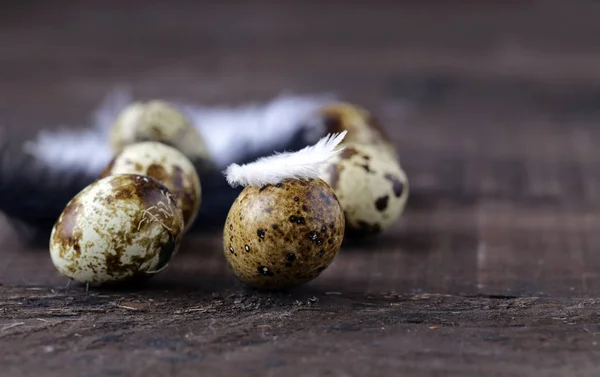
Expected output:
(323, 228)
(274, 226)
(366, 167)
(157, 172)
(397, 184)
(247, 248)
(268, 210)
(296, 198)
(261, 233)
(297, 220)
(67, 234)
(348, 152)
(333, 123)
(326, 198)
(157, 130)
(382, 203)
(178, 176)
(230, 227)
(279, 185)
(321, 253)
(113, 262)
(231, 250)
(264, 271)
(304, 207)
(291, 257)
(77, 249)
(68, 220)
(313, 236)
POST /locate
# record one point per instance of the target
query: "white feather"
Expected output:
(303, 164)
(231, 133)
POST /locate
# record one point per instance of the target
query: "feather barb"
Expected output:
(303, 164)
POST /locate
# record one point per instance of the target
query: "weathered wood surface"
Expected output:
(492, 271)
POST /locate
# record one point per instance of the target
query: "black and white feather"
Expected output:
(40, 176)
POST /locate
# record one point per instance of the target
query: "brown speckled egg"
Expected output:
(119, 228)
(283, 235)
(166, 164)
(362, 126)
(157, 121)
(371, 186)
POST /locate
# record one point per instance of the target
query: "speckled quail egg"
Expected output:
(167, 165)
(119, 228)
(371, 186)
(362, 126)
(283, 235)
(158, 121)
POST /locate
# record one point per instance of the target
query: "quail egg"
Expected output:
(166, 164)
(362, 126)
(285, 234)
(371, 186)
(158, 121)
(119, 228)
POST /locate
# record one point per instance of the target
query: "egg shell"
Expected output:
(119, 228)
(371, 186)
(157, 121)
(362, 126)
(283, 235)
(167, 165)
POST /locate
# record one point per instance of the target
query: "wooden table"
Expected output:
(493, 269)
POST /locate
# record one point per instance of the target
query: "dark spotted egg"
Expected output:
(371, 186)
(283, 235)
(119, 228)
(158, 121)
(167, 165)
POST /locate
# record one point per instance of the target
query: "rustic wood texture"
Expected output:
(492, 271)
